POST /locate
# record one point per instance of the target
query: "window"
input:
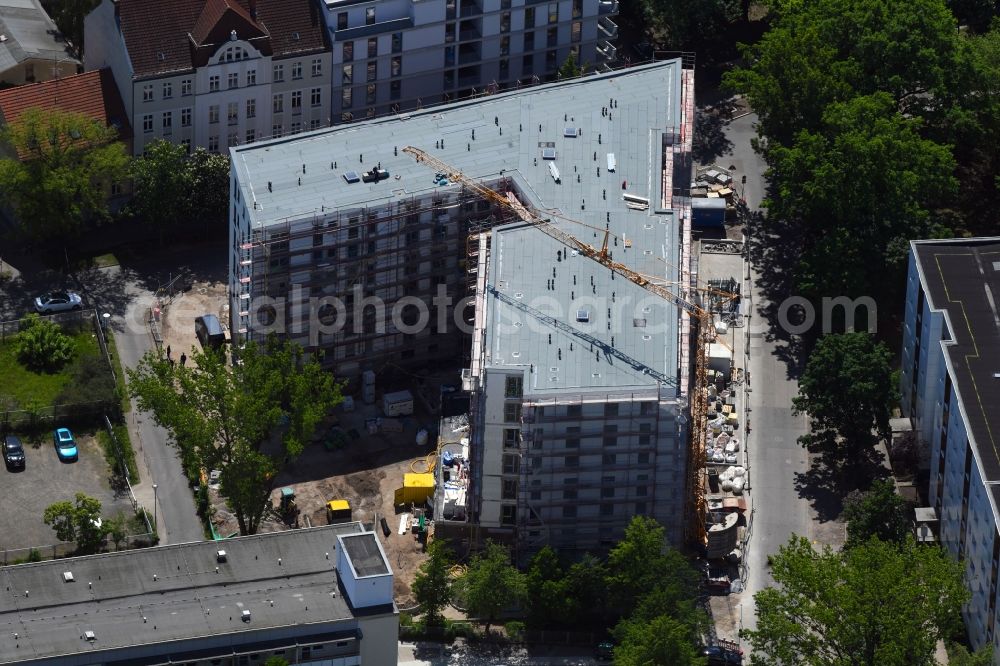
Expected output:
(395, 92)
(511, 463)
(213, 113)
(147, 123)
(528, 64)
(505, 45)
(370, 98)
(251, 77)
(529, 17)
(348, 75)
(577, 8)
(552, 37)
(574, 411)
(509, 489)
(296, 70)
(529, 41)
(369, 16)
(251, 108)
(187, 145)
(185, 117)
(278, 103)
(348, 51)
(536, 495)
(251, 136)
(610, 409)
(640, 508)
(396, 66)
(511, 438)
(315, 123)
(277, 130)
(608, 491)
(508, 515)
(167, 121)
(185, 87)
(643, 458)
(512, 412)
(168, 90)
(233, 113)
(317, 67)
(147, 93)
(346, 99)
(607, 509)
(372, 47)
(514, 387)
(279, 73)
(609, 459)
(553, 12)
(370, 111)
(571, 461)
(213, 144)
(641, 491)
(233, 139)
(576, 31)
(297, 101)
(213, 83)
(397, 42)
(316, 96)
(234, 80)
(570, 494)
(569, 511)
(342, 21)
(505, 22)
(296, 127)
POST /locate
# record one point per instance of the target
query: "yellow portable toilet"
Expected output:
(416, 489)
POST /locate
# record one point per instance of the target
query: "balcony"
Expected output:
(607, 28)
(608, 7)
(606, 50)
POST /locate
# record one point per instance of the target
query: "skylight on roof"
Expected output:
(571, 132)
(351, 176)
(548, 153)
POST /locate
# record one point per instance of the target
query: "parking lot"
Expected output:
(44, 481)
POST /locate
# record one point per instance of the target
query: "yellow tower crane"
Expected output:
(695, 525)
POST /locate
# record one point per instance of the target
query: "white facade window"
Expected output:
(346, 98)
(167, 121)
(396, 67)
(251, 77)
(233, 139)
(276, 130)
(185, 87)
(278, 104)
(213, 113)
(348, 77)
(147, 123)
(185, 117)
(316, 96)
(168, 90)
(213, 144)
(279, 73)
(187, 145)
(251, 108)
(296, 101)
(315, 124)
(147, 93)
(296, 128)
(234, 80)
(369, 16)
(317, 67)
(213, 83)
(296, 70)
(251, 136)
(233, 113)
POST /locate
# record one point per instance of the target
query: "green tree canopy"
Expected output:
(877, 604)
(491, 584)
(221, 417)
(68, 162)
(662, 640)
(41, 345)
(847, 388)
(77, 522)
(432, 584)
(880, 512)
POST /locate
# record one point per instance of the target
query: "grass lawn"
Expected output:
(25, 385)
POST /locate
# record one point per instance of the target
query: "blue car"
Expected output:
(65, 445)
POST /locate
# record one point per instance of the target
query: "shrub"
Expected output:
(124, 445)
(41, 346)
(515, 630)
(92, 387)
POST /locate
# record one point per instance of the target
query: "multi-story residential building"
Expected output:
(398, 55)
(214, 73)
(578, 377)
(31, 47)
(950, 387)
(320, 596)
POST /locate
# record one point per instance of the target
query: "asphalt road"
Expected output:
(774, 455)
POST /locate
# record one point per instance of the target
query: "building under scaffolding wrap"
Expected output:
(579, 377)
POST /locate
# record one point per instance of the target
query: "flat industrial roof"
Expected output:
(366, 554)
(963, 278)
(171, 593)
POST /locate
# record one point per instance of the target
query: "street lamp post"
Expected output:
(155, 530)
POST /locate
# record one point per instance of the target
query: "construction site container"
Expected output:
(416, 489)
(399, 403)
(720, 358)
(708, 212)
(338, 511)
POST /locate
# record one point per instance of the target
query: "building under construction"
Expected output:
(579, 375)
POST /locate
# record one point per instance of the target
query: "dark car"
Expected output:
(13, 452)
(720, 656)
(605, 651)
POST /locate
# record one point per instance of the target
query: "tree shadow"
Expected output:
(828, 482)
(710, 141)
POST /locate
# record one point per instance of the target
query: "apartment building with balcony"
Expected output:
(950, 386)
(393, 56)
(214, 73)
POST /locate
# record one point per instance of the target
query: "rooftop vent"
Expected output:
(3, 38)
(571, 132)
(220, 556)
(548, 153)
(583, 315)
(351, 176)
(68, 577)
(89, 636)
(554, 171)
(245, 615)
(639, 323)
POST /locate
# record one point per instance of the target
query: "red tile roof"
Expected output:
(93, 94)
(164, 36)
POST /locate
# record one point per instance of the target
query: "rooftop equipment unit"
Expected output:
(351, 177)
(554, 171)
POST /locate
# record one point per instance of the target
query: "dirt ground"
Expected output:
(177, 315)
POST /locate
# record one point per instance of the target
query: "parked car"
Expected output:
(65, 445)
(605, 651)
(13, 452)
(722, 656)
(58, 301)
